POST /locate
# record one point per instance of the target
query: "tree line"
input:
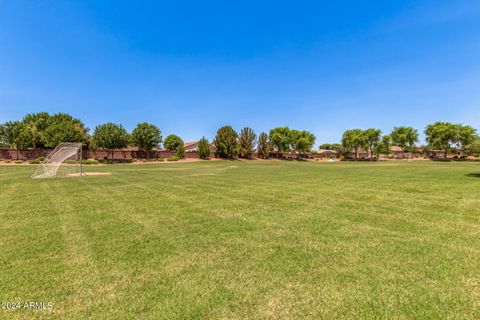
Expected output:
(43, 130)
(439, 135)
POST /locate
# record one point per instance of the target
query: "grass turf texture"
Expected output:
(244, 240)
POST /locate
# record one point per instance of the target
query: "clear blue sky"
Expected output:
(192, 66)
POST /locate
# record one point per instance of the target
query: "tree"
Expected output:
(246, 143)
(444, 135)
(226, 142)
(384, 146)
(146, 136)
(173, 142)
(372, 139)
(474, 147)
(264, 147)
(7, 133)
(404, 137)
(353, 139)
(302, 141)
(110, 136)
(280, 139)
(62, 127)
(203, 148)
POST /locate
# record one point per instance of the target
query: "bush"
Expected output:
(90, 161)
(7, 161)
(175, 158)
(34, 161)
(18, 161)
(70, 161)
(41, 159)
(181, 152)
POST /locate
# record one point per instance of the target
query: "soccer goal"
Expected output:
(64, 160)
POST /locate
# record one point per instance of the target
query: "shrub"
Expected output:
(70, 161)
(41, 159)
(181, 152)
(18, 161)
(7, 161)
(34, 161)
(90, 161)
(175, 158)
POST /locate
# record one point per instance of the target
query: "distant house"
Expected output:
(325, 153)
(191, 146)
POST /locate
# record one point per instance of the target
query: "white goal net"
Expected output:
(63, 160)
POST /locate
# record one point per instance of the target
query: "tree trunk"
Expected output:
(446, 153)
(112, 156)
(356, 153)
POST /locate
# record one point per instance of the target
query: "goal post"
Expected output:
(65, 159)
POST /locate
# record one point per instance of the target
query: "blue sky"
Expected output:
(191, 66)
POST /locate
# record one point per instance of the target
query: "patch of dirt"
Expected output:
(88, 174)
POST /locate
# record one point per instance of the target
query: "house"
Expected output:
(325, 153)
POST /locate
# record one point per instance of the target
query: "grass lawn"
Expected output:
(260, 239)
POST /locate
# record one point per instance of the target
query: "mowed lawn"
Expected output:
(244, 240)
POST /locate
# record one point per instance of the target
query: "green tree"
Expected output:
(62, 127)
(264, 147)
(474, 147)
(7, 133)
(384, 146)
(444, 135)
(372, 139)
(110, 136)
(146, 136)
(33, 129)
(203, 148)
(302, 141)
(280, 138)
(404, 137)
(246, 143)
(353, 139)
(173, 142)
(225, 142)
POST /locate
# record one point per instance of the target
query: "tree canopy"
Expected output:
(146, 136)
(110, 136)
(354, 139)
(404, 137)
(445, 135)
(246, 143)
(264, 147)
(225, 142)
(203, 148)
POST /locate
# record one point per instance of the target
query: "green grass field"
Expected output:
(244, 240)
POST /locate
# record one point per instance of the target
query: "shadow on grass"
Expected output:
(473, 175)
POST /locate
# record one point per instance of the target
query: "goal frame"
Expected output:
(43, 171)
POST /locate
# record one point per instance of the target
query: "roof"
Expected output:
(326, 151)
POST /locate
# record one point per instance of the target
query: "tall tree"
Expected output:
(280, 139)
(353, 139)
(203, 148)
(404, 137)
(146, 136)
(225, 142)
(444, 135)
(264, 147)
(372, 139)
(110, 136)
(246, 143)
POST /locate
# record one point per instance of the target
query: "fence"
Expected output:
(118, 155)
